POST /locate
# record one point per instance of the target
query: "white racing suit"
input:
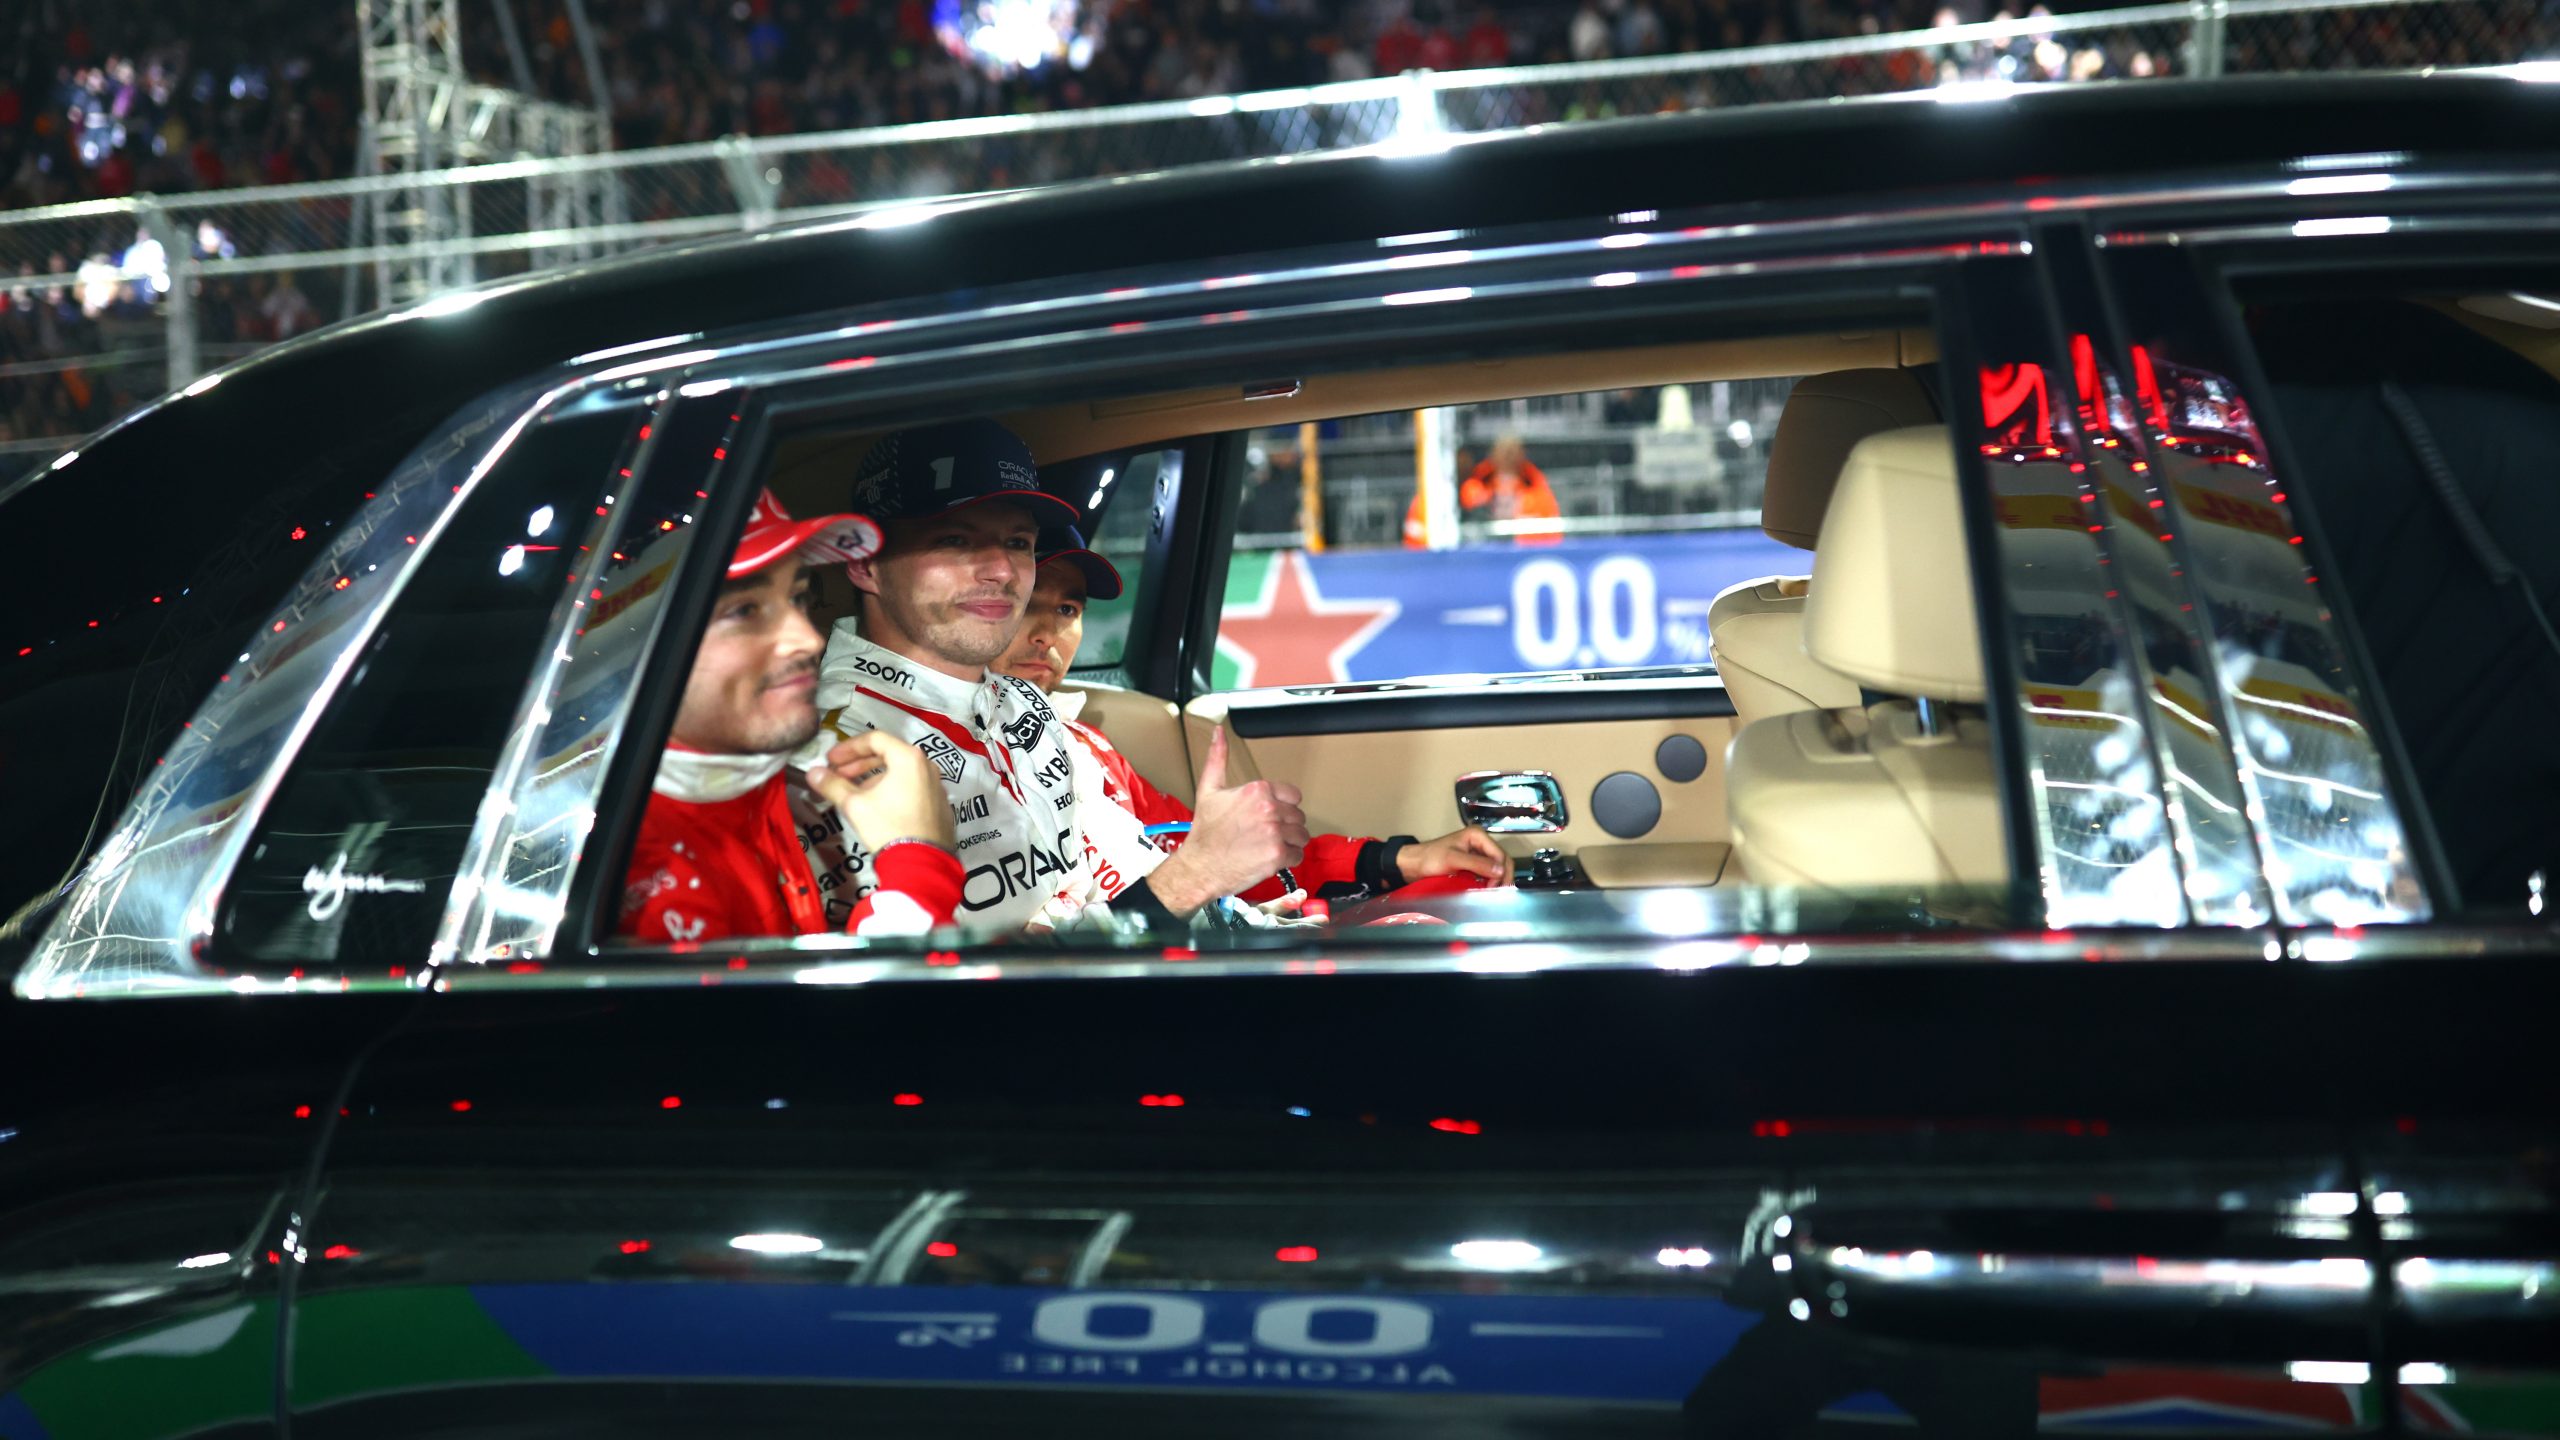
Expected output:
(1012, 776)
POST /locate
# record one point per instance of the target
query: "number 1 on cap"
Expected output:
(942, 471)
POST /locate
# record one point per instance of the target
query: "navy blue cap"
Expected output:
(935, 469)
(1062, 542)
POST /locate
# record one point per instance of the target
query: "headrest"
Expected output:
(1825, 417)
(1891, 605)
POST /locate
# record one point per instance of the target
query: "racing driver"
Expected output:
(1044, 650)
(961, 507)
(718, 854)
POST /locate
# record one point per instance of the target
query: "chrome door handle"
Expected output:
(1511, 802)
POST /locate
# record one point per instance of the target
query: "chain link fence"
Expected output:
(111, 302)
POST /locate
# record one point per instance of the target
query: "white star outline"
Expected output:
(1338, 661)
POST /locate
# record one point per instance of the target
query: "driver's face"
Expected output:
(754, 685)
(948, 591)
(1052, 629)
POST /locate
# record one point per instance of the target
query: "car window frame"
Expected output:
(776, 401)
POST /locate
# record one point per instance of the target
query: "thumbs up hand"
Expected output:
(1240, 835)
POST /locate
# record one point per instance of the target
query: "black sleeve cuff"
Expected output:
(1376, 868)
(1140, 899)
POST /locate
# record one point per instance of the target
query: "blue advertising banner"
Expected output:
(1616, 1349)
(1292, 618)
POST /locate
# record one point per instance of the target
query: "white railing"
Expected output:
(224, 270)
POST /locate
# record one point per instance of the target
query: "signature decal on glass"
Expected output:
(329, 888)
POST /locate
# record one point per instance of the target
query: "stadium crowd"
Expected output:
(191, 95)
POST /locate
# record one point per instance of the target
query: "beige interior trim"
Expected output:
(811, 471)
(1143, 728)
(2539, 343)
(1640, 866)
(1403, 782)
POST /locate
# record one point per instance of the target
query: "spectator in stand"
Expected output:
(1506, 486)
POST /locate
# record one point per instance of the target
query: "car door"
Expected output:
(273, 888)
(2347, 405)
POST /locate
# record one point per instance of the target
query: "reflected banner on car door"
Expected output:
(1295, 618)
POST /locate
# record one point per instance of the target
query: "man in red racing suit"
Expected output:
(718, 855)
(1045, 648)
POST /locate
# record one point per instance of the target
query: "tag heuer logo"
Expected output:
(946, 757)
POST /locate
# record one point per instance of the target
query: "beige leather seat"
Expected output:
(1818, 799)
(1755, 629)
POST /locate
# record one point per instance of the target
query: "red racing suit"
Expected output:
(719, 858)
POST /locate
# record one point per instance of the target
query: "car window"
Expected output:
(106, 658)
(2419, 430)
(355, 860)
(1119, 516)
(1576, 531)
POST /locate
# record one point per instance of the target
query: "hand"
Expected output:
(1240, 835)
(885, 789)
(1286, 907)
(1470, 850)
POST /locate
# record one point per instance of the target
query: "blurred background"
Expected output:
(185, 181)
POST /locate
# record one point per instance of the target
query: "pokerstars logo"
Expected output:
(878, 671)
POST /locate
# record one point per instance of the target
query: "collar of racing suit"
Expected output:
(702, 778)
(1068, 703)
(852, 660)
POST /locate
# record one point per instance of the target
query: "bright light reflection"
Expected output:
(1624, 241)
(64, 459)
(1496, 1254)
(538, 522)
(2328, 1202)
(1431, 297)
(634, 348)
(1974, 92)
(2338, 184)
(453, 304)
(203, 383)
(1615, 278)
(2344, 225)
(1419, 237)
(2422, 1372)
(203, 1262)
(901, 216)
(2330, 1372)
(512, 561)
(1692, 1256)
(2536, 72)
(778, 1244)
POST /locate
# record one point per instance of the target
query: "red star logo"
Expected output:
(1295, 636)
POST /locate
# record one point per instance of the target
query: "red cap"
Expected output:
(826, 540)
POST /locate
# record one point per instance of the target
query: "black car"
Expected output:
(2081, 966)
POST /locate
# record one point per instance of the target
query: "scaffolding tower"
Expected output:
(423, 115)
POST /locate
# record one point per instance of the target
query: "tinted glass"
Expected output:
(358, 850)
(1118, 519)
(130, 578)
(2421, 435)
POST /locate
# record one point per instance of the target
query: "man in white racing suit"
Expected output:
(962, 509)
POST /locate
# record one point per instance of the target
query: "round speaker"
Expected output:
(1626, 805)
(1680, 758)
